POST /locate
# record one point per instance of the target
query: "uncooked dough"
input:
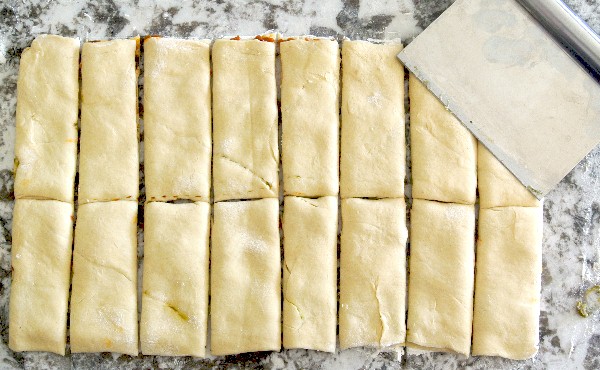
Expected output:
(175, 292)
(508, 282)
(245, 277)
(373, 149)
(442, 269)
(177, 119)
(46, 129)
(42, 236)
(373, 273)
(310, 273)
(104, 314)
(245, 128)
(310, 89)
(443, 151)
(108, 158)
(497, 186)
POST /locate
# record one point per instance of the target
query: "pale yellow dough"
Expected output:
(175, 291)
(104, 293)
(42, 237)
(245, 277)
(310, 89)
(177, 119)
(443, 151)
(440, 287)
(497, 186)
(46, 128)
(310, 273)
(508, 282)
(373, 149)
(108, 158)
(245, 128)
(373, 273)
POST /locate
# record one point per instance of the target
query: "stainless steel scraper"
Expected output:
(518, 88)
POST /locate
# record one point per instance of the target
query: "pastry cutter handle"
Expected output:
(569, 30)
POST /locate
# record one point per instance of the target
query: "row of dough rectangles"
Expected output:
(310, 84)
(177, 165)
(509, 264)
(372, 165)
(442, 255)
(45, 166)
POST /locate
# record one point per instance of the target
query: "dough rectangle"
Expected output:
(108, 159)
(373, 146)
(310, 85)
(443, 151)
(373, 273)
(310, 273)
(104, 293)
(46, 128)
(498, 187)
(245, 128)
(175, 292)
(42, 237)
(245, 277)
(508, 282)
(177, 119)
(442, 269)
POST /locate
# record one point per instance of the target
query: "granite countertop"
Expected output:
(571, 260)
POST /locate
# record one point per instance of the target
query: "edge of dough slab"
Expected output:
(497, 186)
(175, 279)
(177, 119)
(443, 151)
(508, 282)
(108, 157)
(46, 119)
(441, 279)
(373, 152)
(42, 237)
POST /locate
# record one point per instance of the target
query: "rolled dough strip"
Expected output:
(108, 159)
(104, 292)
(177, 123)
(373, 273)
(497, 186)
(245, 277)
(508, 282)
(175, 292)
(373, 149)
(443, 151)
(310, 89)
(310, 273)
(440, 287)
(42, 237)
(46, 129)
(245, 128)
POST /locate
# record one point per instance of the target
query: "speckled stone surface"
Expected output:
(571, 212)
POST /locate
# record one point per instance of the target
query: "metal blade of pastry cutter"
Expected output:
(518, 91)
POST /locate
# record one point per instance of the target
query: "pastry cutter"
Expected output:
(522, 76)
